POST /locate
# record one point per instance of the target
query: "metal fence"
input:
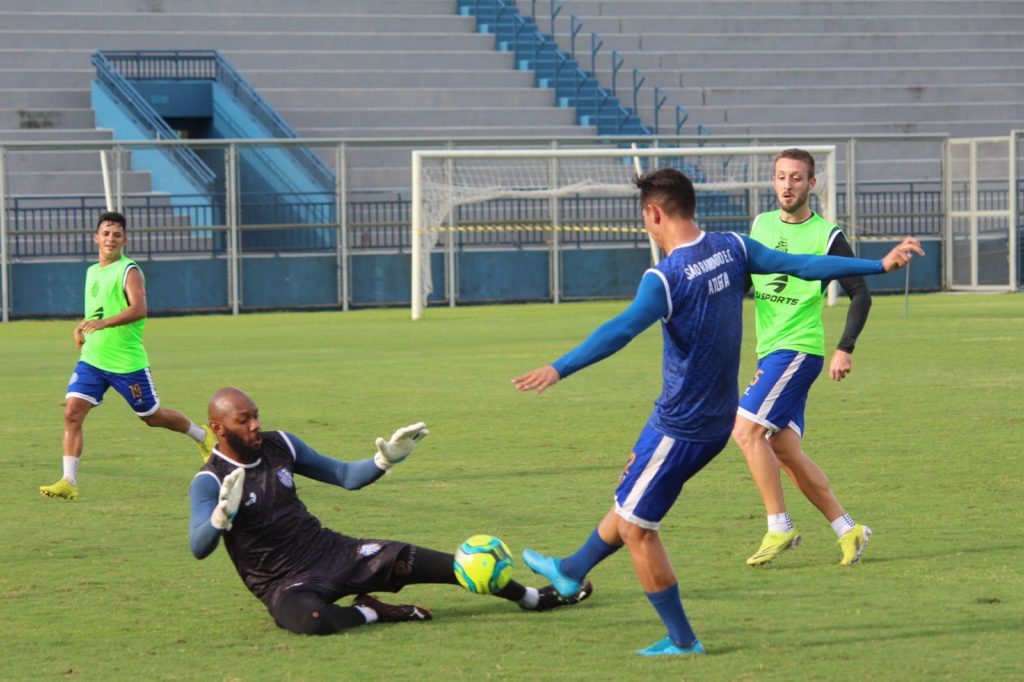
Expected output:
(879, 196)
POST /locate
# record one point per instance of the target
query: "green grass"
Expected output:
(922, 442)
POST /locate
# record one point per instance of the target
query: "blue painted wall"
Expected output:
(166, 176)
(503, 276)
(279, 282)
(602, 273)
(270, 171)
(181, 286)
(177, 98)
(925, 273)
(186, 285)
(385, 279)
(47, 289)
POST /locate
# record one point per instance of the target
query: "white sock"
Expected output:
(71, 469)
(196, 432)
(369, 614)
(530, 599)
(843, 525)
(779, 523)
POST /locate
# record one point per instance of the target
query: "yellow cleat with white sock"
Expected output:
(852, 543)
(773, 544)
(61, 488)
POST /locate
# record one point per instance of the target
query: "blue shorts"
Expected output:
(655, 473)
(777, 395)
(90, 383)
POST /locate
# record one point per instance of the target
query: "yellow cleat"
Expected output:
(773, 544)
(853, 543)
(208, 443)
(61, 488)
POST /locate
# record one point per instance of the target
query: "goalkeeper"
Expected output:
(246, 495)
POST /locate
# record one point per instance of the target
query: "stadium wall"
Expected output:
(193, 285)
(167, 176)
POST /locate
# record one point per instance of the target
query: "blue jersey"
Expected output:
(697, 292)
(704, 285)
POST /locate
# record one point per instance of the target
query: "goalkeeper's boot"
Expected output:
(773, 544)
(61, 488)
(852, 543)
(207, 444)
(392, 613)
(550, 568)
(550, 599)
(667, 647)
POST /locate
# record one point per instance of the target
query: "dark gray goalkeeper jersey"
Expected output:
(275, 542)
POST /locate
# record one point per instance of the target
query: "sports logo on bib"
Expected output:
(285, 477)
(779, 283)
(95, 289)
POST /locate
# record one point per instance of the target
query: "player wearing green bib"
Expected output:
(791, 350)
(112, 354)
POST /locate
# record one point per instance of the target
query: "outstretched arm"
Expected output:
(349, 475)
(764, 261)
(202, 536)
(650, 305)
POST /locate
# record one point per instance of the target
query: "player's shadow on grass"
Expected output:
(875, 632)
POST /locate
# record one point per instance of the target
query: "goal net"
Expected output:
(542, 198)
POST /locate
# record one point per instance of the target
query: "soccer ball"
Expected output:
(483, 564)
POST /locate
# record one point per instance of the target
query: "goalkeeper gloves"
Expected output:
(391, 452)
(228, 500)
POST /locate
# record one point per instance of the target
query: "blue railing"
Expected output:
(139, 109)
(210, 65)
(521, 34)
(555, 68)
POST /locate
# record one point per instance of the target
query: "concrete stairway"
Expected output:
(744, 67)
(353, 69)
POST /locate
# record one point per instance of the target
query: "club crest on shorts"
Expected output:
(369, 549)
(73, 379)
(285, 477)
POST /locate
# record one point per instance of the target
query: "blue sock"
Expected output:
(670, 608)
(594, 551)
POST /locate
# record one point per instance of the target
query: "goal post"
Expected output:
(507, 193)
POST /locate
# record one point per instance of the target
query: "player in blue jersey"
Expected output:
(245, 494)
(697, 292)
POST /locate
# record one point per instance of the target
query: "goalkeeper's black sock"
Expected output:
(430, 566)
(427, 566)
(513, 591)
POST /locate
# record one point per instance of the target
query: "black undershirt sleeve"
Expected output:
(860, 297)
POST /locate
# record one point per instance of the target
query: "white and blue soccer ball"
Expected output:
(483, 564)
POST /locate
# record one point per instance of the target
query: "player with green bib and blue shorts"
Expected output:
(791, 353)
(112, 354)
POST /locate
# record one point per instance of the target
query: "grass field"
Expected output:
(922, 442)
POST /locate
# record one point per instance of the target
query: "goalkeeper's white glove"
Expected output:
(391, 452)
(229, 499)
